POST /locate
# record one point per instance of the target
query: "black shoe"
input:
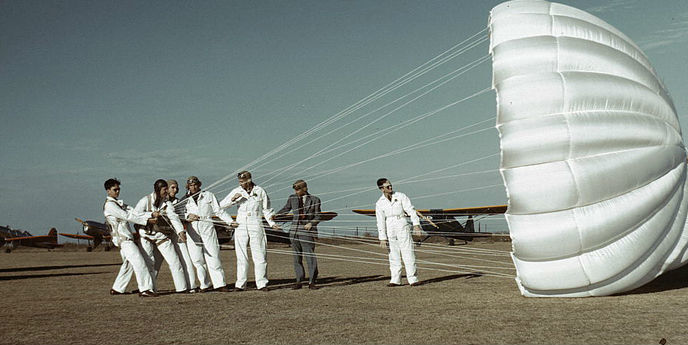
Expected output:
(223, 289)
(296, 286)
(393, 285)
(416, 284)
(206, 289)
(148, 293)
(312, 286)
(239, 289)
(115, 292)
(194, 290)
(135, 291)
(264, 289)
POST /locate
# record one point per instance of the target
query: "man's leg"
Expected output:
(259, 255)
(394, 261)
(187, 264)
(194, 245)
(133, 254)
(296, 255)
(240, 249)
(212, 258)
(308, 246)
(167, 251)
(407, 254)
(124, 275)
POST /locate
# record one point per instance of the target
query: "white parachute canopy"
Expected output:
(592, 155)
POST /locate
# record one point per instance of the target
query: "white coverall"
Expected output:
(251, 208)
(117, 214)
(393, 226)
(185, 258)
(157, 245)
(201, 239)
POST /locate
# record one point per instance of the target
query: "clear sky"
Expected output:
(141, 90)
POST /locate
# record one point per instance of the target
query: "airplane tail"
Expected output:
(470, 225)
(53, 235)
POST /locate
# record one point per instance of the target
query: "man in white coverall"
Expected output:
(202, 243)
(117, 216)
(394, 231)
(180, 244)
(157, 240)
(252, 203)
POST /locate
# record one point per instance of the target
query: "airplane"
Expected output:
(99, 233)
(93, 232)
(443, 222)
(225, 232)
(11, 239)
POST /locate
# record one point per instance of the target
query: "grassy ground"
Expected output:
(62, 297)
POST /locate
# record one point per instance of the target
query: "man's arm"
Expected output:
(410, 210)
(174, 218)
(316, 211)
(286, 208)
(267, 210)
(130, 215)
(381, 224)
(218, 211)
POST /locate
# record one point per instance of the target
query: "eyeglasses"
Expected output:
(115, 189)
(388, 186)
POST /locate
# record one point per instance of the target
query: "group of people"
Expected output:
(191, 249)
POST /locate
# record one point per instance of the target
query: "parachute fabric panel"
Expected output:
(592, 155)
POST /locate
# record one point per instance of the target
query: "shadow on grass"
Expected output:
(31, 276)
(45, 268)
(449, 277)
(672, 280)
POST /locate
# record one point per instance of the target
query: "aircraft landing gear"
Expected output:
(451, 241)
(89, 249)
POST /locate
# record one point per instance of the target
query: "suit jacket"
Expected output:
(311, 209)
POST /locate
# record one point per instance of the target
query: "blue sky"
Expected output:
(166, 89)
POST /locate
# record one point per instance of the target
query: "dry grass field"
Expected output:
(61, 297)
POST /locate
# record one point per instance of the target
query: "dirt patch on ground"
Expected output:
(62, 297)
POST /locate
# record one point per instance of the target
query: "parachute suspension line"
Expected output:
(417, 260)
(386, 131)
(410, 76)
(420, 144)
(466, 269)
(345, 112)
(460, 71)
(395, 152)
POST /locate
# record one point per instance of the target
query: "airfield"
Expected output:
(61, 297)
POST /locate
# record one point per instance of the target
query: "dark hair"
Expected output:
(244, 175)
(299, 184)
(111, 183)
(157, 186)
(381, 181)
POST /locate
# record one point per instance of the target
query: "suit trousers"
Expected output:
(401, 248)
(154, 254)
(132, 262)
(303, 245)
(254, 235)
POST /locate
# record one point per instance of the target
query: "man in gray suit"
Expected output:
(304, 228)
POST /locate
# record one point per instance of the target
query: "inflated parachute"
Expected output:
(592, 156)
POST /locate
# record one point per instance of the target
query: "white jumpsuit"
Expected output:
(185, 258)
(251, 207)
(393, 226)
(157, 245)
(117, 214)
(201, 240)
